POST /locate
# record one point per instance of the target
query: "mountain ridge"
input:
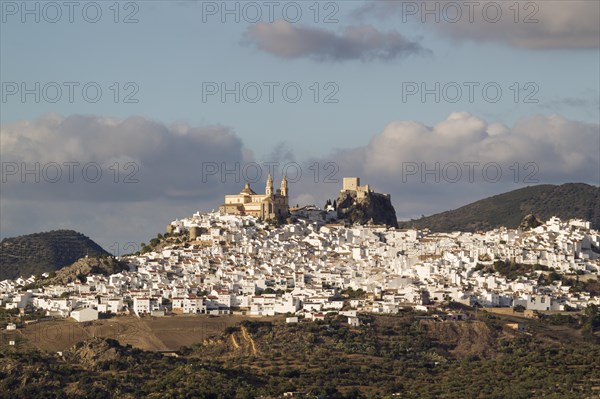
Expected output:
(565, 201)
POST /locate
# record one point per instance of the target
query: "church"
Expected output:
(270, 205)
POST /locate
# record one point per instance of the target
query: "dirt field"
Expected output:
(149, 333)
(181, 330)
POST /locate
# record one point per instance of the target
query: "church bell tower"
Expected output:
(269, 188)
(284, 189)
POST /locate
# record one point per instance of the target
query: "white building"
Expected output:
(84, 314)
(141, 306)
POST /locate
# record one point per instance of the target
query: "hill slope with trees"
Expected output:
(38, 253)
(387, 356)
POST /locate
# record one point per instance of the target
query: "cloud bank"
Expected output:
(526, 24)
(139, 159)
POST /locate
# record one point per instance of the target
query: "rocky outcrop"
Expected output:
(530, 222)
(372, 208)
(104, 353)
(86, 266)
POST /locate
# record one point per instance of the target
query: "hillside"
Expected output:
(44, 252)
(86, 266)
(386, 355)
(567, 201)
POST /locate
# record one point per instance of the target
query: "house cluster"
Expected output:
(236, 263)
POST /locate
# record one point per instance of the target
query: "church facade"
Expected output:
(270, 205)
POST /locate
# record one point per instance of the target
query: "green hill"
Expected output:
(44, 252)
(567, 201)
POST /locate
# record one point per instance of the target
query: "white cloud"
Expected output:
(561, 147)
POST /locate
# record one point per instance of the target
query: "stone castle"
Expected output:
(353, 184)
(268, 206)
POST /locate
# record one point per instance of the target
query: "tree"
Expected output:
(519, 308)
(592, 320)
(553, 276)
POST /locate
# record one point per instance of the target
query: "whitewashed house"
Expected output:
(84, 314)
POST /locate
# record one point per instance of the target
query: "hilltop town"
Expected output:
(239, 260)
(218, 263)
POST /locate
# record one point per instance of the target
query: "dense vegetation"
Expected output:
(38, 253)
(567, 201)
(385, 355)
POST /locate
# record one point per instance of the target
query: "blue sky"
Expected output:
(367, 58)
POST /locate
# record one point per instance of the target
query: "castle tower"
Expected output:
(284, 189)
(269, 188)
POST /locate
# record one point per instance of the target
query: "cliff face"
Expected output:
(374, 208)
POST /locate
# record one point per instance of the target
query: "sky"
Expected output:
(119, 117)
